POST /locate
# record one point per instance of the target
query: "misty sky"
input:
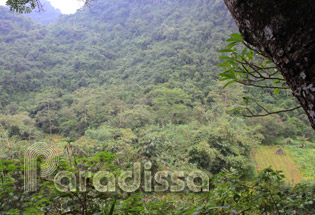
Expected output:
(65, 6)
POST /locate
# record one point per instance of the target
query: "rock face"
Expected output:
(284, 30)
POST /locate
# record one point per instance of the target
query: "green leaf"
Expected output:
(276, 91)
(237, 35)
(246, 99)
(235, 38)
(229, 74)
(225, 58)
(230, 46)
(225, 50)
(225, 64)
(236, 109)
(228, 83)
(276, 81)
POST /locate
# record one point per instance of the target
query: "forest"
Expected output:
(168, 84)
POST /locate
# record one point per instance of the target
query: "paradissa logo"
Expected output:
(47, 167)
(128, 181)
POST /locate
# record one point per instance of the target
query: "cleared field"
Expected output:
(305, 159)
(266, 156)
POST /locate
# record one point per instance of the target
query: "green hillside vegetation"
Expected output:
(267, 156)
(303, 152)
(135, 81)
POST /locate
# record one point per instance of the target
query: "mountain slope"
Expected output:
(117, 42)
(124, 58)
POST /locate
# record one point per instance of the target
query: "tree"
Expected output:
(284, 32)
(171, 105)
(26, 6)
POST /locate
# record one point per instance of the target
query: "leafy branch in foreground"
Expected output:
(27, 6)
(247, 66)
(24, 6)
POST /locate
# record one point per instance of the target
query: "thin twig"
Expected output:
(270, 113)
(261, 86)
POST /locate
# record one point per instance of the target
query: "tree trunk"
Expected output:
(284, 30)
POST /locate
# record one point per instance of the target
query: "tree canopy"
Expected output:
(128, 81)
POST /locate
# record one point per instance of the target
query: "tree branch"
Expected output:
(261, 86)
(269, 113)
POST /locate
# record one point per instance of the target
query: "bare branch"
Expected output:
(269, 113)
(261, 86)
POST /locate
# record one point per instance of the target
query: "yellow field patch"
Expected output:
(266, 156)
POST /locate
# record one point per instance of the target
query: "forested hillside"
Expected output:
(128, 51)
(133, 47)
(138, 79)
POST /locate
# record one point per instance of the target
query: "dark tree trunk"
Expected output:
(284, 30)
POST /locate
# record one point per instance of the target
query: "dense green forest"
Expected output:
(125, 81)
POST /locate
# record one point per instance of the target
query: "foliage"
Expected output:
(230, 193)
(267, 194)
(278, 157)
(303, 153)
(225, 146)
(248, 66)
(134, 81)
